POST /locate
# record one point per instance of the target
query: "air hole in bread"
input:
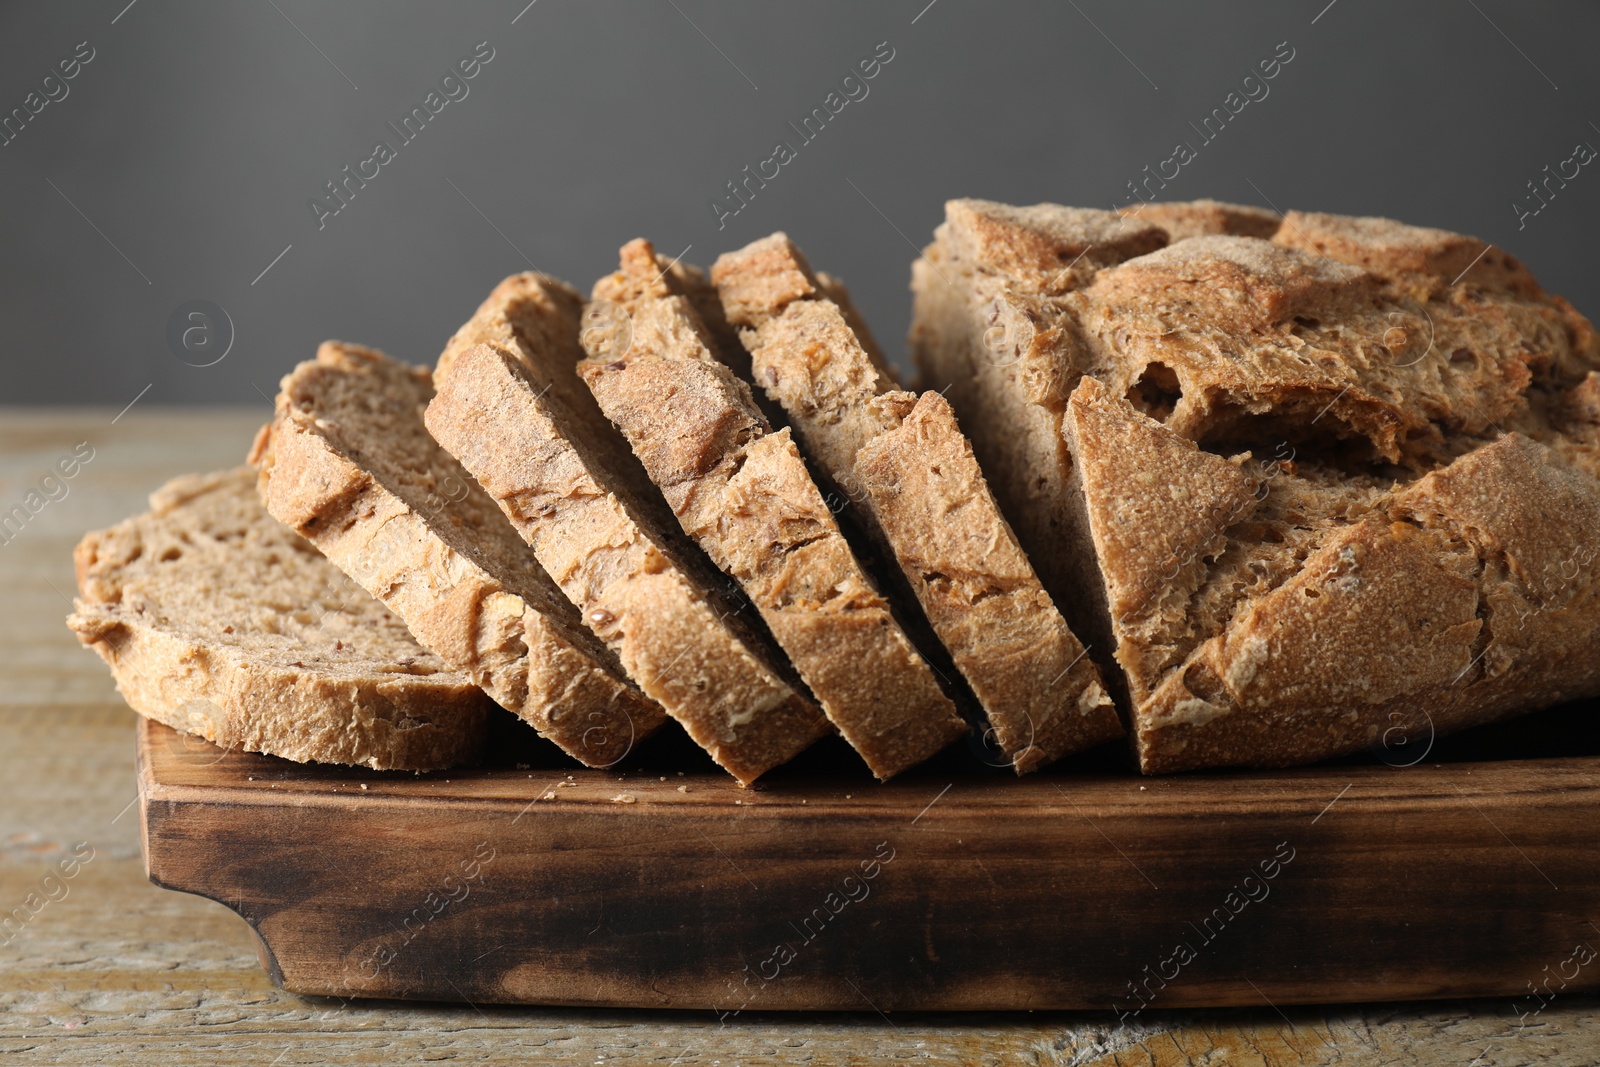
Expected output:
(1157, 391)
(169, 554)
(1294, 431)
(1203, 682)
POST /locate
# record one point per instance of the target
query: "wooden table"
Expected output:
(119, 971)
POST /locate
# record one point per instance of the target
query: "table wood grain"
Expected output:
(116, 970)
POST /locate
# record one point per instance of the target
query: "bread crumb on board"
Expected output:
(624, 798)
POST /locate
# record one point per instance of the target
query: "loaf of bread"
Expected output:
(218, 621)
(743, 493)
(919, 491)
(1300, 484)
(1308, 485)
(348, 464)
(512, 408)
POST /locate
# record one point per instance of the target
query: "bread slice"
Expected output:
(920, 489)
(218, 621)
(1277, 461)
(348, 464)
(512, 408)
(987, 331)
(743, 494)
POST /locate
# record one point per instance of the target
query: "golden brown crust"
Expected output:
(350, 467)
(1051, 246)
(1197, 218)
(1461, 598)
(516, 414)
(744, 495)
(957, 552)
(217, 621)
(1424, 259)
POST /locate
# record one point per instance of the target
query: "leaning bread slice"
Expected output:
(920, 490)
(514, 411)
(348, 463)
(218, 621)
(743, 493)
(989, 331)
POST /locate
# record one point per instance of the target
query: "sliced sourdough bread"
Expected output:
(1276, 467)
(348, 463)
(218, 621)
(919, 488)
(743, 494)
(512, 408)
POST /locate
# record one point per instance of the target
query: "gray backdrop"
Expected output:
(177, 164)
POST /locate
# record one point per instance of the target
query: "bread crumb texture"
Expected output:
(218, 621)
(349, 464)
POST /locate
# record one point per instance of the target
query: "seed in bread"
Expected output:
(348, 463)
(218, 621)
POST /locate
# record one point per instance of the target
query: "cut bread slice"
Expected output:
(348, 463)
(987, 332)
(744, 495)
(511, 407)
(218, 621)
(1262, 465)
(919, 488)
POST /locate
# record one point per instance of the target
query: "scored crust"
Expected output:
(348, 464)
(920, 489)
(1258, 486)
(743, 493)
(1197, 218)
(220, 622)
(512, 408)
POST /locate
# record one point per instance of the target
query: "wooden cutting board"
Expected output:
(1474, 872)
